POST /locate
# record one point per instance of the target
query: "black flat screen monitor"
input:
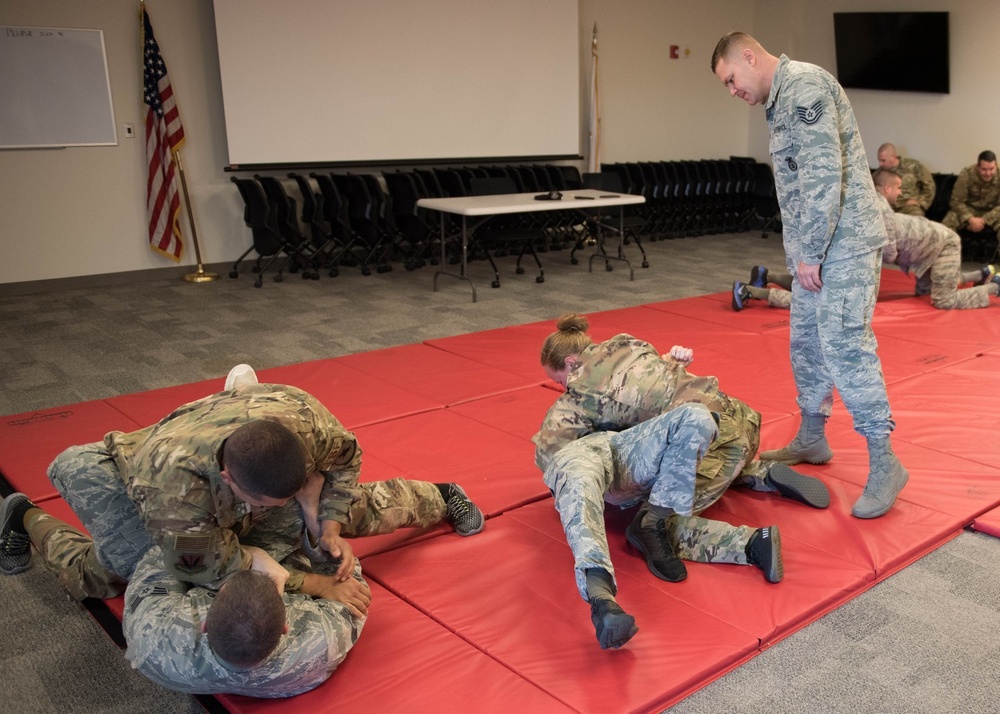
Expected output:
(902, 51)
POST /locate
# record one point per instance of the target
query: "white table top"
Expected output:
(525, 202)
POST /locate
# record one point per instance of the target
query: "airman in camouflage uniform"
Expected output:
(163, 626)
(162, 485)
(624, 381)
(921, 246)
(682, 443)
(976, 196)
(659, 460)
(833, 235)
(918, 186)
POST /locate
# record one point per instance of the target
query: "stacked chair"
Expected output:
(270, 242)
(302, 252)
(370, 220)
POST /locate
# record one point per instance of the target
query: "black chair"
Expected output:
(412, 223)
(327, 231)
(301, 252)
(451, 182)
(362, 215)
(503, 230)
(943, 185)
(334, 209)
(259, 216)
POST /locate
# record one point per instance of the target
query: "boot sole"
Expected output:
(616, 630)
(777, 570)
(790, 460)
(798, 487)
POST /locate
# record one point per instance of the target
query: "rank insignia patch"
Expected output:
(810, 115)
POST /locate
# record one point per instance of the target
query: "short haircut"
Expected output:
(728, 44)
(246, 619)
(266, 459)
(569, 339)
(987, 156)
(887, 147)
(882, 177)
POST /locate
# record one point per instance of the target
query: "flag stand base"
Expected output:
(201, 276)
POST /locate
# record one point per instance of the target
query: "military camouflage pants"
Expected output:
(662, 457)
(832, 344)
(779, 298)
(88, 480)
(945, 277)
(378, 507)
(952, 221)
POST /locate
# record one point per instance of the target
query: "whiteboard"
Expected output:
(55, 88)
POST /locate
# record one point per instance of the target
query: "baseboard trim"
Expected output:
(176, 272)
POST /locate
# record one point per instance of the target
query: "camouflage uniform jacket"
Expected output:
(171, 472)
(828, 202)
(915, 242)
(615, 385)
(163, 628)
(918, 183)
(971, 196)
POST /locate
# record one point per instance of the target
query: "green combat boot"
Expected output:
(809, 444)
(886, 478)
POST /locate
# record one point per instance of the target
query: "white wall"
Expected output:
(654, 107)
(81, 211)
(944, 131)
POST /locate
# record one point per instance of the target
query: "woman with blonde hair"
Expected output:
(634, 427)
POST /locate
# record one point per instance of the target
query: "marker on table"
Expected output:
(586, 198)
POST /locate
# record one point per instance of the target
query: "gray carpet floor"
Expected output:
(924, 640)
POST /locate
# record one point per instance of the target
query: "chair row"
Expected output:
(345, 220)
(693, 198)
(369, 220)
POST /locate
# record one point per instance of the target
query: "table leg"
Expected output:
(621, 248)
(465, 251)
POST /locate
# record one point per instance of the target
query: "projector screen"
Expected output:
(359, 81)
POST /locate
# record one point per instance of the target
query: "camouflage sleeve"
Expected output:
(820, 169)
(195, 548)
(959, 196)
(562, 424)
(342, 629)
(341, 472)
(890, 251)
(154, 602)
(928, 187)
(992, 217)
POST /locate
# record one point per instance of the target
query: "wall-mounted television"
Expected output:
(901, 51)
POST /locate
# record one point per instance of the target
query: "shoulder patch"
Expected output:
(810, 115)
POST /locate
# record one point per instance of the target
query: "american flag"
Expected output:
(164, 134)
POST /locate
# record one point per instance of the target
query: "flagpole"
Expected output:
(201, 276)
(594, 158)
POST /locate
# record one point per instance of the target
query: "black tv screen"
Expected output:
(902, 51)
